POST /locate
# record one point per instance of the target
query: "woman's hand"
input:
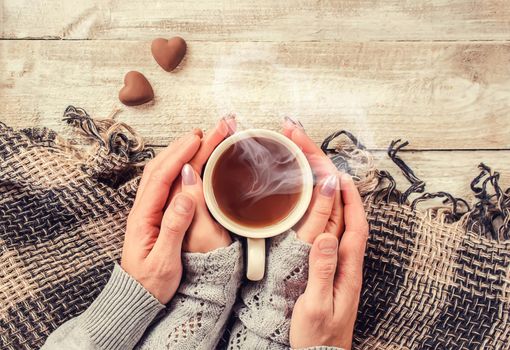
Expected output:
(325, 213)
(326, 312)
(204, 234)
(155, 230)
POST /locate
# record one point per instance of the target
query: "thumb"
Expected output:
(192, 184)
(175, 223)
(320, 209)
(215, 235)
(322, 267)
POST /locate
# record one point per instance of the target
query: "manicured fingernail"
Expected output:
(230, 120)
(329, 186)
(292, 122)
(328, 246)
(183, 204)
(188, 175)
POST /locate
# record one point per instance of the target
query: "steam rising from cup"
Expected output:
(306, 91)
(273, 170)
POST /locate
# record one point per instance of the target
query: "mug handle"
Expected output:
(256, 258)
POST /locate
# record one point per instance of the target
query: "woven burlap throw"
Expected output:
(434, 279)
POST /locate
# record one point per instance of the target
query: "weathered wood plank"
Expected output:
(264, 20)
(437, 95)
(449, 171)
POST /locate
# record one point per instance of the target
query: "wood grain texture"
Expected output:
(262, 20)
(437, 95)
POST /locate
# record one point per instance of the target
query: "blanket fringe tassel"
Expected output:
(116, 137)
(488, 216)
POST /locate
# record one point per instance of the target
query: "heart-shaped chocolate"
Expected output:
(168, 53)
(136, 90)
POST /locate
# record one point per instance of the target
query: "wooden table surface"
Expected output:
(435, 72)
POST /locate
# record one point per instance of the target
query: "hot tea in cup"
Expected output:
(257, 184)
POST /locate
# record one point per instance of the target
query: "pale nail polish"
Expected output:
(188, 175)
(329, 186)
(293, 121)
(231, 123)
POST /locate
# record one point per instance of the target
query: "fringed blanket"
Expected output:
(434, 279)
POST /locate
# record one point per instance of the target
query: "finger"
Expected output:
(198, 132)
(160, 179)
(354, 212)
(192, 184)
(335, 224)
(319, 211)
(213, 137)
(289, 124)
(204, 234)
(155, 163)
(225, 127)
(350, 262)
(322, 267)
(174, 225)
(352, 246)
(320, 162)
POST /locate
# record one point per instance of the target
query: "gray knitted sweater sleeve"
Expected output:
(265, 309)
(124, 311)
(115, 320)
(126, 316)
(198, 313)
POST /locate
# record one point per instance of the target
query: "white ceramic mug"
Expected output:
(256, 254)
